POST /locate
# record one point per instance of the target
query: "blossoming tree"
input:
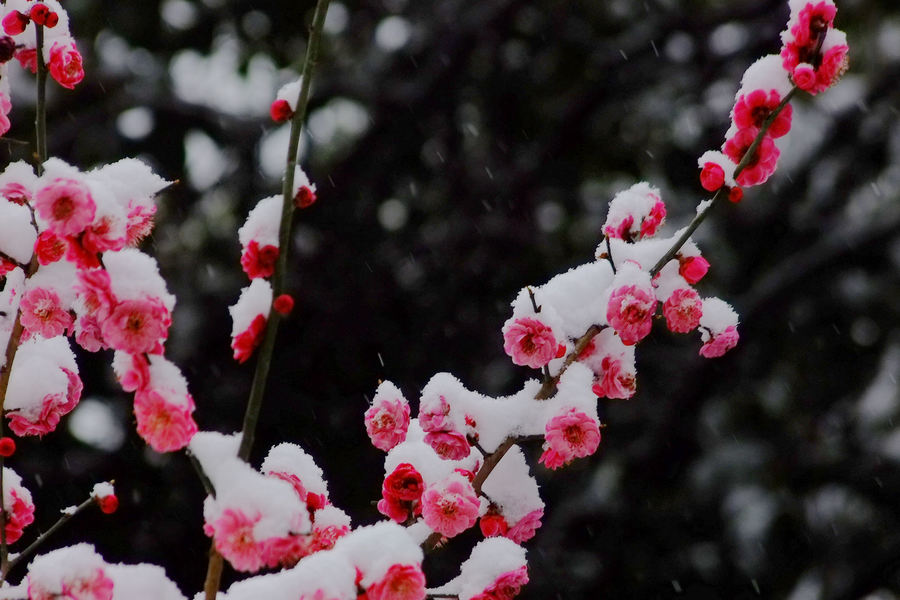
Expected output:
(74, 274)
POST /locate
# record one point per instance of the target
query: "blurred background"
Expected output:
(461, 151)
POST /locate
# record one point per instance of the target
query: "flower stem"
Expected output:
(264, 361)
(251, 416)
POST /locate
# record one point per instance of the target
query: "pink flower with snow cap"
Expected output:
(73, 573)
(449, 445)
(18, 505)
(570, 435)
(164, 425)
(525, 528)
(529, 342)
(232, 533)
(259, 261)
(450, 506)
(66, 205)
(387, 420)
(635, 213)
(615, 380)
(65, 64)
(506, 587)
(683, 310)
(718, 328)
(630, 310)
(401, 582)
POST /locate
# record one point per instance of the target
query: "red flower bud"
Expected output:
(712, 176)
(735, 194)
(108, 504)
(15, 23)
(281, 111)
(39, 13)
(7, 447)
(305, 197)
(283, 304)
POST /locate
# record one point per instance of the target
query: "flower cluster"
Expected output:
(19, 20)
(812, 59)
(71, 240)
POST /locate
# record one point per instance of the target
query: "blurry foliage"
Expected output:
(461, 151)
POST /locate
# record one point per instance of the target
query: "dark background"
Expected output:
(476, 158)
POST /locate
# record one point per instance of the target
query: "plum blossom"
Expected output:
(449, 445)
(682, 310)
(763, 161)
(752, 109)
(529, 342)
(74, 573)
(137, 326)
(401, 492)
(387, 420)
(525, 528)
(569, 435)
(64, 63)
(232, 533)
(401, 582)
(18, 505)
(450, 506)
(630, 310)
(43, 313)
(162, 406)
(66, 205)
(635, 213)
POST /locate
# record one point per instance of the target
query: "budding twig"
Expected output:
(264, 360)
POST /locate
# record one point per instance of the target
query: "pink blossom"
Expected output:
(529, 342)
(401, 582)
(683, 310)
(434, 418)
(751, 110)
(324, 538)
(526, 527)
(66, 205)
(285, 551)
(43, 313)
(506, 587)
(100, 236)
(720, 344)
(630, 312)
(654, 220)
(53, 407)
(19, 515)
(94, 287)
(90, 586)
(692, 268)
(449, 445)
(49, 247)
(259, 261)
(570, 435)
(88, 334)
(163, 425)
(246, 342)
(387, 421)
(615, 381)
(232, 534)
(65, 64)
(139, 225)
(27, 57)
(137, 326)
(15, 192)
(450, 506)
(137, 375)
(761, 166)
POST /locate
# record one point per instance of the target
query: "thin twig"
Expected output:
(264, 360)
(66, 516)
